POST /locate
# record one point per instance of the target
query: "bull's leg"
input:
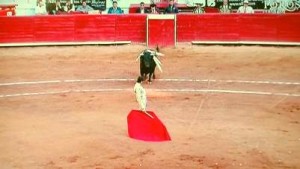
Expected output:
(143, 71)
(144, 76)
(153, 71)
(150, 76)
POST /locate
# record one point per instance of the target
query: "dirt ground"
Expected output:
(225, 107)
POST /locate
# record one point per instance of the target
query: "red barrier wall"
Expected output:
(208, 27)
(161, 32)
(238, 27)
(77, 28)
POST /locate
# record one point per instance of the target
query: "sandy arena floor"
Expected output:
(224, 107)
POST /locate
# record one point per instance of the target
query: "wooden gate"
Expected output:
(161, 30)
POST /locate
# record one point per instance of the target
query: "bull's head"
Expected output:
(147, 59)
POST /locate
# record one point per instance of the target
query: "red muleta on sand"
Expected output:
(143, 127)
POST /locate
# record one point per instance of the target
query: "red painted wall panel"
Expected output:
(260, 27)
(53, 29)
(77, 28)
(95, 27)
(20, 29)
(190, 27)
(238, 27)
(207, 28)
(161, 32)
(186, 27)
(289, 28)
(133, 27)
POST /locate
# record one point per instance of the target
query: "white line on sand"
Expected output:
(30, 83)
(162, 80)
(156, 90)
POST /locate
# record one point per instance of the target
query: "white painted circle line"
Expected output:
(97, 80)
(156, 90)
(162, 80)
(33, 94)
(99, 90)
(230, 81)
(30, 83)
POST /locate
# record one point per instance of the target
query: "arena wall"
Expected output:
(238, 27)
(73, 28)
(189, 27)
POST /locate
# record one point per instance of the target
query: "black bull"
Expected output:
(147, 65)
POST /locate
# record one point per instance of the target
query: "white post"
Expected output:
(147, 31)
(175, 30)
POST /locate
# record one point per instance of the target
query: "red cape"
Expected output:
(143, 127)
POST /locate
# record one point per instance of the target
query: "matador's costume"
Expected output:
(140, 94)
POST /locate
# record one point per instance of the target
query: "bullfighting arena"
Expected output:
(225, 107)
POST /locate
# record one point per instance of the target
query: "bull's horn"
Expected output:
(157, 62)
(159, 54)
(149, 50)
(139, 57)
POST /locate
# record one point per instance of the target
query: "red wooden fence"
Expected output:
(239, 27)
(161, 30)
(190, 27)
(73, 28)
